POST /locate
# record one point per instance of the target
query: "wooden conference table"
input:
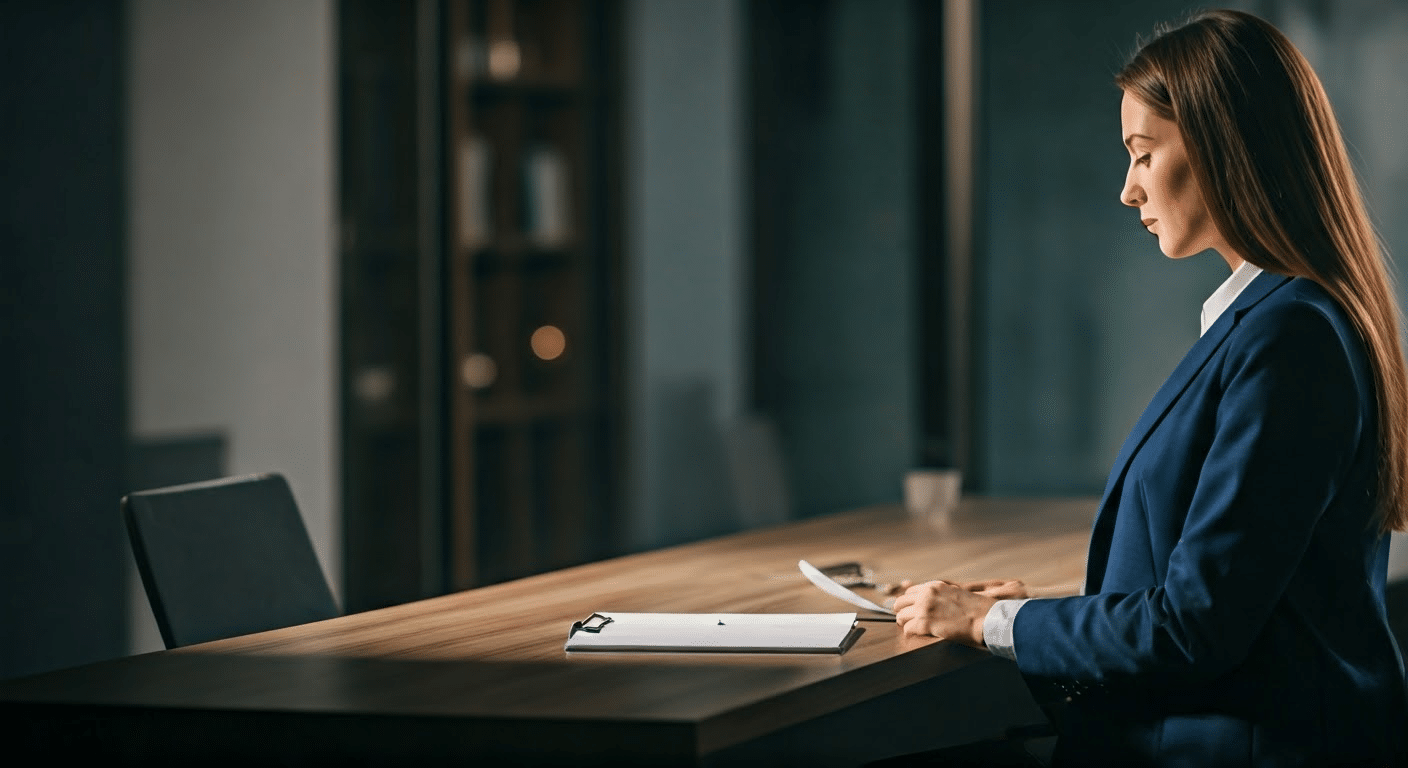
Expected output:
(481, 676)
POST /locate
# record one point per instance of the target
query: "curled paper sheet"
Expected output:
(830, 587)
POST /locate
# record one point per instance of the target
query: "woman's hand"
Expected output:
(1001, 589)
(945, 610)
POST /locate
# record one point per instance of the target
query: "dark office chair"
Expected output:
(224, 558)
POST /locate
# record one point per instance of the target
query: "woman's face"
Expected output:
(1161, 185)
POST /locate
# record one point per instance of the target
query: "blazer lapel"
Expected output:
(1168, 394)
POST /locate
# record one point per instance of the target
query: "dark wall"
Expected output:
(1081, 317)
(835, 146)
(62, 339)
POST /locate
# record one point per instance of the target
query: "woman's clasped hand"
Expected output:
(951, 610)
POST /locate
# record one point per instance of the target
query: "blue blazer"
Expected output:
(1234, 606)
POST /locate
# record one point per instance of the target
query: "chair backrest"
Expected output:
(757, 471)
(224, 558)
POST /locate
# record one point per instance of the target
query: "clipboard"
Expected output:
(715, 632)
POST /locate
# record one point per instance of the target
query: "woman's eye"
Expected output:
(1143, 160)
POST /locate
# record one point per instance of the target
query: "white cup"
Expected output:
(932, 494)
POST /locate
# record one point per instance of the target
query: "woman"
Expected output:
(1234, 612)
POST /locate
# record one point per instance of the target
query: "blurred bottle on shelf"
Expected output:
(546, 218)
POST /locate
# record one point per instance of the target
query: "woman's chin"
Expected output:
(1175, 253)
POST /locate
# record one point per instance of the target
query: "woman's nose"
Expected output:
(1132, 194)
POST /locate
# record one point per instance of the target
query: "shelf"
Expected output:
(508, 412)
(531, 338)
(521, 252)
(535, 89)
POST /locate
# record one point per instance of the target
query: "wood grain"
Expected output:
(495, 654)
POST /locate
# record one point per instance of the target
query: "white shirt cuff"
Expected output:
(997, 627)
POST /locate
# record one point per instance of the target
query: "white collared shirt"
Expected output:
(997, 626)
(1227, 293)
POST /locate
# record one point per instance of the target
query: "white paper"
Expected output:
(830, 587)
(734, 632)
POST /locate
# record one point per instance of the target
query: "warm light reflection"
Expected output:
(479, 371)
(548, 342)
(374, 384)
(504, 59)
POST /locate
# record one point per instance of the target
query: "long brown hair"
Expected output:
(1267, 152)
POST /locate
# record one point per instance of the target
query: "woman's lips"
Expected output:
(1147, 222)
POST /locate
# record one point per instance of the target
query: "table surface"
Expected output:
(494, 655)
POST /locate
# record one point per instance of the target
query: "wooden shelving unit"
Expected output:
(480, 280)
(531, 263)
(389, 265)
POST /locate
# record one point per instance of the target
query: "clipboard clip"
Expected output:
(592, 623)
